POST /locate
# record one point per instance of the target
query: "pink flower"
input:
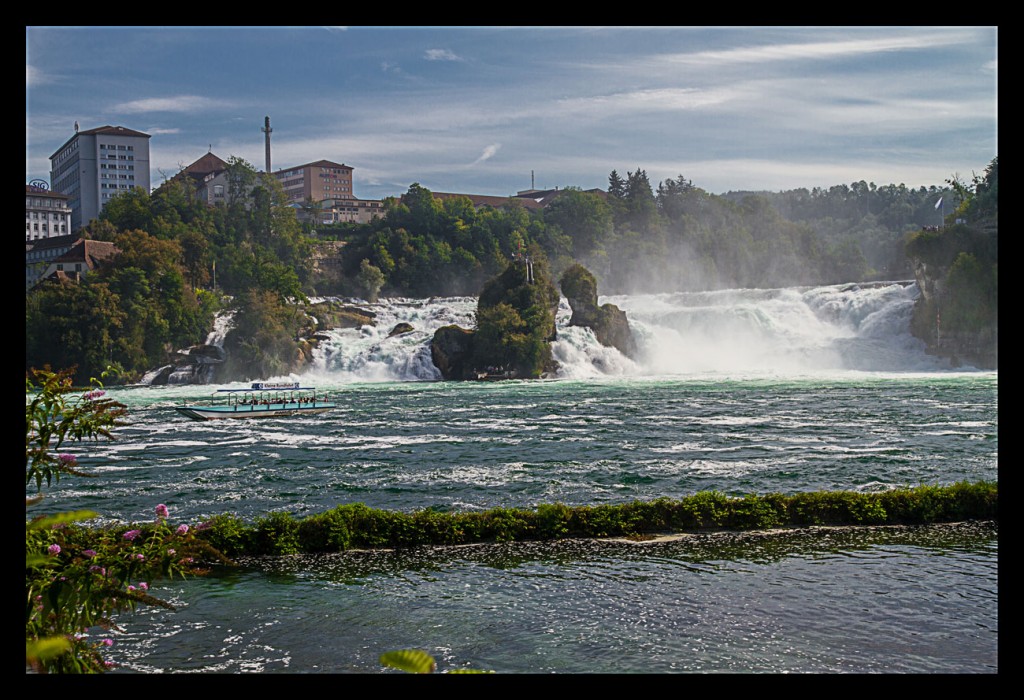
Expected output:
(143, 585)
(53, 549)
(132, 534)
(140, 557)
(131, 588)
(98, 569)
(182, 529)
(170, 552)
(161, 511)
(89, 552)
(107, 642)
(90, 395)
(67, 458)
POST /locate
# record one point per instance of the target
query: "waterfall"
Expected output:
(839, 327)
(862, 327)
(200, 361)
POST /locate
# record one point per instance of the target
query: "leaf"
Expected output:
(409, 660)
(46, 648)
(37, 560)
(51, 520)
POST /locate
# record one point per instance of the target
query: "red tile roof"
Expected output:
(88, 251)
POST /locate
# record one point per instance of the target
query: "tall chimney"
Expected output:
(266, 130)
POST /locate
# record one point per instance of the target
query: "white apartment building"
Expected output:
(47, 214)
(97, 164)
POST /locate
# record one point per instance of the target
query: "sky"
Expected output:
(497, 110)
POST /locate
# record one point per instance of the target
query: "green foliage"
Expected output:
(54, 417)
(262, 341)
(578, 283)
(355, 525)
(409, 660)
(370, 279)
(275, 534)
(515, 320)
(77, 578)
(416, 661)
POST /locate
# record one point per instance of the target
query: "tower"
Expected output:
(266, 130)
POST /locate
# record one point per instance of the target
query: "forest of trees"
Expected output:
(181, 260)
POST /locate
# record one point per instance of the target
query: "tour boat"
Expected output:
(261, 400)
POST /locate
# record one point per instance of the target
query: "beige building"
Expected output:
(47, 214)
(328, 186)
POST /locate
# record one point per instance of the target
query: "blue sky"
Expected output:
(478, 109)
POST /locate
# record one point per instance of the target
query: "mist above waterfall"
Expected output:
(781, 331)
(790, 330)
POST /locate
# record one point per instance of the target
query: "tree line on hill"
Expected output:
(181, 260)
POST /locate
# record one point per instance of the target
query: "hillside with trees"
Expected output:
(956, 268)
(181, 260)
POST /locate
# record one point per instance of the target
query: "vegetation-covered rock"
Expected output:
(608, 322)
(956, 268)
(516, 320)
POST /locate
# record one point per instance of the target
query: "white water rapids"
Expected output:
(785, 331)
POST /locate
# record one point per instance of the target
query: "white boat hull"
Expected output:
(251, 411)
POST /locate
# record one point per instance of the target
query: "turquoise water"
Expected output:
(914, 601)
(743, 391)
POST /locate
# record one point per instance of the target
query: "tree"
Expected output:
(584, 217)
(616, 186)
(370, 280)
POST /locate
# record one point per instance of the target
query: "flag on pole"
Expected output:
(938, 203)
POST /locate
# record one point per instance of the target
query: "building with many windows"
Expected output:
(328, 187)
(97, 164)
(316, 181)
(47, 214)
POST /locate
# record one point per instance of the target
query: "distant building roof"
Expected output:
(316, 164)
(90, 252)
(202, 168)
(53, 242)
(209, 163)
(114, 131)
(544, 197)
(102, 131)
(530, 199)
(32, 189)
(481, 200)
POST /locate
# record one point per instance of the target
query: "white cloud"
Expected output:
(440, 55)
(35, 77)
(488, 153)
(179, 103)
(157, 131)
(816, 50)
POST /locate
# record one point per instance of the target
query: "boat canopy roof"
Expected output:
(272, 386)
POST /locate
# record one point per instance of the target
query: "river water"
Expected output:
(747, 391)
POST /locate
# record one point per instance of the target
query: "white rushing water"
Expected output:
(791, 330)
